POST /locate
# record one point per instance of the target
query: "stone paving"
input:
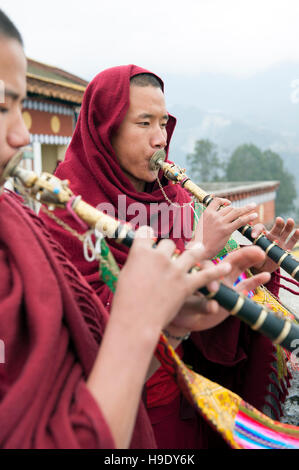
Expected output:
(291, 406)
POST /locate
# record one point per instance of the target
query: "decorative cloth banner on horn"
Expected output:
(240, 424)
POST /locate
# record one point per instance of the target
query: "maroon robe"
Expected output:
(45, 305)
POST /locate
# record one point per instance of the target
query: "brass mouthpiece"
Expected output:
(11, 166)
(157, 158)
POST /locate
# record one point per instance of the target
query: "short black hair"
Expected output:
(8, 29)
(146, 79)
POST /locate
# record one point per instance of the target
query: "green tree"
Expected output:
(203, 164)
(249, 163)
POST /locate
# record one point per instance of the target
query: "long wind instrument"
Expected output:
(49, 190)
(281, 257)
(240, 425)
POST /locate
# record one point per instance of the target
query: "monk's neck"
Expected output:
(139, 185)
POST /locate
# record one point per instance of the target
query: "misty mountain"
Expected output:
(262, 110)
(228, 133)
(265, 99)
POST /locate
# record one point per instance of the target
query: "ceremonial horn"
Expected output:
(280, 256)
(54, 192)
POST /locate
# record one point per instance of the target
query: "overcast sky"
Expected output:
(238, 37)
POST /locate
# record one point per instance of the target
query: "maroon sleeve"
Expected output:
(88, 422)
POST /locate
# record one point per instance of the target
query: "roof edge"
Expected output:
(73, 86)
(260, 186)
(54, 69)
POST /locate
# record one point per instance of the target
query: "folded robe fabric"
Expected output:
(49, 349)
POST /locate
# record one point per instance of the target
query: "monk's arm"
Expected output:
(141, 308)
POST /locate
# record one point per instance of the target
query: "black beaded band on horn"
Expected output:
(279, 330)
(124, 234)
(277, 254)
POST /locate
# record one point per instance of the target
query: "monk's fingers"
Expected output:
(208, 277)
(208, 307)
(212, 307)
(193, 254)
(287, 230)
(257, 230)
(277, 229)
(202, 302)
(166, 246)
(211, 317)
(199, 314)
(144, 236)
(219, 206)
(245, 258)
(252, 283)
(219, 203)
(293, 240)
(240, 212)
(243, 220)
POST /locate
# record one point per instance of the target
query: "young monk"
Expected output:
(69, 377)
(123, 121)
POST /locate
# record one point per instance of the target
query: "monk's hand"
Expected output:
(164, 280)
(280, 233)
(200, 314)
(218, 222)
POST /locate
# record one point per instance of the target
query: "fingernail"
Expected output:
(145, 232)
(226, 267)
(196, 246)
(253, 216)
(214, 286)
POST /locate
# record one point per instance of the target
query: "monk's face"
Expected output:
(13, 133)
(141, 134)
